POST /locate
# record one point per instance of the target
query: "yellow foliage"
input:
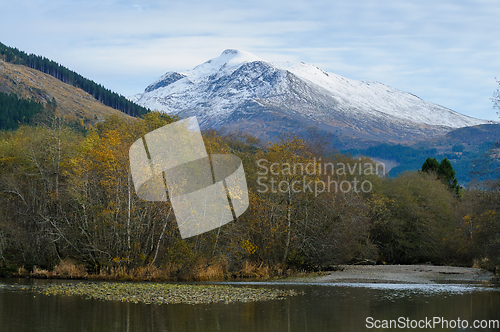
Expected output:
(249, 247)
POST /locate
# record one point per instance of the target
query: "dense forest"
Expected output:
(15, 111)
(105, 96)
(67, 199)
(410, 158)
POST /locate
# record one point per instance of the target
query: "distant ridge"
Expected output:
(105, 96)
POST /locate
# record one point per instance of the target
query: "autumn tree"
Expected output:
(114, 225)
(302, 213)
(412, 216)
(288, 178)
(34, 161)
(477, 235)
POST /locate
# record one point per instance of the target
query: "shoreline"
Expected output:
(403, 274)
(166, 292)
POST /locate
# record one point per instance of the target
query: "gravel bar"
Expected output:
(162, 293)
(406, 274)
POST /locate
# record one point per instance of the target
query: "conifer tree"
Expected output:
(444, 172)
(430, 165)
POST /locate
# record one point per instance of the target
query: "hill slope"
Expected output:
(468, 149)
(105, 96)
(71, 101)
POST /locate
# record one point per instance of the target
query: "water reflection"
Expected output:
(324, 307)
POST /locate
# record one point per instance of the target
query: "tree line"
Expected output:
(15, 111)
(52, 68)
(68, 195)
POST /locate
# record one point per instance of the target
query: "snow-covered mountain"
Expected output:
(241, 92)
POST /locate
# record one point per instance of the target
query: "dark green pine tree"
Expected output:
(430, 165)
(444, 172)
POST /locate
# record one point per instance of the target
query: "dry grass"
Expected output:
(202, 271)
(252, 270)
(40, 273)
(151, 273)
(68, 270)
(263, 271)
(217, 271)
(486, 264)
(148, 273)
(65, 270)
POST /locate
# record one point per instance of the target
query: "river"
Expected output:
(322, 307)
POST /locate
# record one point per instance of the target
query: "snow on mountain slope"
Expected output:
(215, 87)
(375, 97)
(240, 91)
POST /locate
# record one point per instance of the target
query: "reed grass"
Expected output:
(201, 271)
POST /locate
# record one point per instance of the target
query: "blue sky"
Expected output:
(446, 52)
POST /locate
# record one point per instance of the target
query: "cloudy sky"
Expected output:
(444, 51)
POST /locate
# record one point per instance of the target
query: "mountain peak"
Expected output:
(230, 59)
(239, 55)
(230, 51)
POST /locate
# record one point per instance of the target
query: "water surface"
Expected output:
(323, 307)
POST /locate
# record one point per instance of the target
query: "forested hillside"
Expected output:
(105, 96)
(468, 154)
(68, 196)
(71, 103)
